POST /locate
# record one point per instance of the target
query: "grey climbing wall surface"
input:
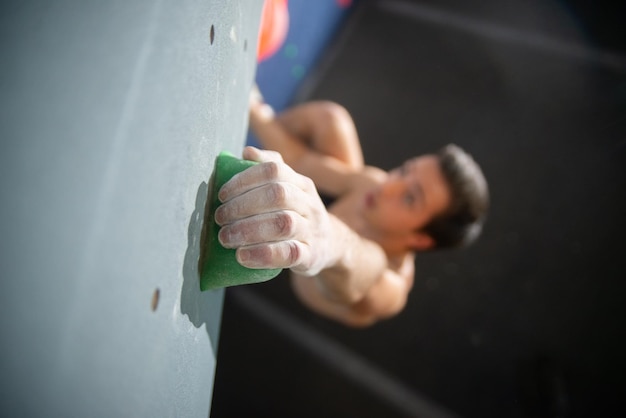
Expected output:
(111, 115)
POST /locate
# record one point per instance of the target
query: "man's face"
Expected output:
(410, 198)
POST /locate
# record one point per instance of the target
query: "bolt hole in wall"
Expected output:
(212, 34)
(154, 304)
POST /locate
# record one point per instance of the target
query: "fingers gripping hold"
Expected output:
(262, 174)
(274, 217)
(270, 197)
(283, 254)
(250, 179)
(267, 227)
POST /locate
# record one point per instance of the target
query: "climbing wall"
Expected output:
(111, 116)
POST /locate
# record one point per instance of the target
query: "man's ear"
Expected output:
(421, 241)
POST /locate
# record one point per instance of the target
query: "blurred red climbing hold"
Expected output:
(274, 28)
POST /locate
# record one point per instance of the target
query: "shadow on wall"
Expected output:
(201, 307)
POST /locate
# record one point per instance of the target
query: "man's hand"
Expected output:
(275, 218)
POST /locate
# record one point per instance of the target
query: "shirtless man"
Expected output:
(353, 261)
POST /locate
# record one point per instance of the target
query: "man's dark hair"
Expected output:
(461, 223)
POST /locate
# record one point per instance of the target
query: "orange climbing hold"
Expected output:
(274, 28)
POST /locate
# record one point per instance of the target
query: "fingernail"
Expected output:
(246, 259)
(224, 237)
(221, 194)
(228, 238)
(218, 215)
(243, 256)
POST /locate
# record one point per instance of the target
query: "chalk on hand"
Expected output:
(219, 266)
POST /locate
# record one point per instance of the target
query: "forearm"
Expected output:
(273, 136)
(329, 173)
(274, 218)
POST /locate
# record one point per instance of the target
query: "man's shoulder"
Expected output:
(369, 176)
(351, 182)
(374, 172)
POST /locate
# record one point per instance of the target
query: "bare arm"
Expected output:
(275, 218)
(316, 139)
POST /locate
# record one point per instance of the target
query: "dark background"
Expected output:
(529, 322)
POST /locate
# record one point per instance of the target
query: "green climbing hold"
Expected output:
(219, 267)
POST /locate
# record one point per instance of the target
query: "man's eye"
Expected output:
(409, 199)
